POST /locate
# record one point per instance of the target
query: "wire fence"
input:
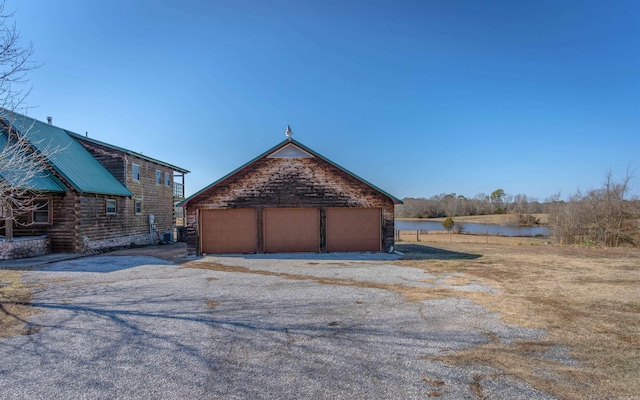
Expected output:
(439, 236)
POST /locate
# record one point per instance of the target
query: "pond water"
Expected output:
(478, 229)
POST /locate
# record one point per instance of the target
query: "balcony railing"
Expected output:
(178, 190)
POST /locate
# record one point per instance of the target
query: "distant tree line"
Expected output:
(453, 205)
(606, 216)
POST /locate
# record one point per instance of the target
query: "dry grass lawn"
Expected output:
(446, 237)
(15, 308)
(588, 300)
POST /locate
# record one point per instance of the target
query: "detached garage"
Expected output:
(289, 199)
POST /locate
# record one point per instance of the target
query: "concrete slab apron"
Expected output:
(131, 327)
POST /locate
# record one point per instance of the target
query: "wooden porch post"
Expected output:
(8, 229)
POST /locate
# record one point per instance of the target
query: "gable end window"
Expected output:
(41, 214)
(158, 177)
(110, 206)
(135, 172)
(167, 179)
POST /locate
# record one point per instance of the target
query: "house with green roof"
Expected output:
(93, 195)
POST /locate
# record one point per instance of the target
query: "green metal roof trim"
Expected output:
(41, 182)
(133, 153)
(275, 148)
(70, 159)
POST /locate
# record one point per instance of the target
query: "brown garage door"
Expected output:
(291, 230)
(353, 229)
(229, 231)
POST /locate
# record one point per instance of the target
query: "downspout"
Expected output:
(152, 227)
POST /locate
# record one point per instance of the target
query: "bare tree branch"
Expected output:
(21, 163)
(604, 216)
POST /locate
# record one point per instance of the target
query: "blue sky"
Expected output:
(419, 98)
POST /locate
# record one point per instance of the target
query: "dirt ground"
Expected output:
(588, 301)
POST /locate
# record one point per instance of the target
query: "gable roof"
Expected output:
(44, 181)
(69, 158)
(285, 149)
(133, 153)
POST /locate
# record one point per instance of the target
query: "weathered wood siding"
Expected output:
(63, 234)
(289, 182)
(81, 219)
(62, 230)
(112, 160)
(157, 199)
(95, 224)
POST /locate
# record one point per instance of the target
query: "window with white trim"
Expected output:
(158, 177)
(110, 206)
(135, 172)
(167, 179)
(138, 206)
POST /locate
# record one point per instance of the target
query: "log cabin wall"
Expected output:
(156, 198)
(80, 222)
(61, 229)
(78, 219)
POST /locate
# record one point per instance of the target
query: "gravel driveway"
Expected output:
(268, 327)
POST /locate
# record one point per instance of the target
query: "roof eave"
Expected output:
(393, 198)
(108, 194)
(185, 202)
(133, 153)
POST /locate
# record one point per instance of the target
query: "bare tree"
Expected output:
(21, 164)
(605, 216)
(15, 63)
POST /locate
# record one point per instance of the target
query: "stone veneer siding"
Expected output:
(91, 246)
(24, 247)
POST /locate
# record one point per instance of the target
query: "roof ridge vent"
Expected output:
(290, 150)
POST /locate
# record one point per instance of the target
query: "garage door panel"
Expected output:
(353, 229)
(291, 230)
(229, 231)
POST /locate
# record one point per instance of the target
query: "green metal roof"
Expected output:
(133, 153)
(69, 159)
(44, 181)
(275, 148)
